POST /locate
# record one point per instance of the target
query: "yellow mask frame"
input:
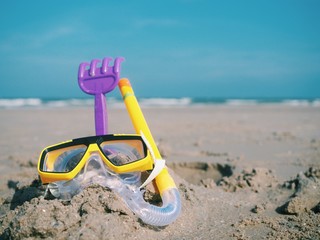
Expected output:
(89, 145)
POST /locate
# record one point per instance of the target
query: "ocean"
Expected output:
(8, 103)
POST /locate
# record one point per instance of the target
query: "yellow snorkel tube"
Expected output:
(163, 180)
(171, 207)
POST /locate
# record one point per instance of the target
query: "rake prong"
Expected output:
(93, 66)
(82, 69)
(117, 63)
(105, 64)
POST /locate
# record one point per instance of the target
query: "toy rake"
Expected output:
(98, 81)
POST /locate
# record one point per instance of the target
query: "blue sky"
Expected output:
(172, 48)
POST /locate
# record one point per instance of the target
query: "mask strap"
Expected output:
(159, 164)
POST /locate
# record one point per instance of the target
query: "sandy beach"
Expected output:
(243, 172)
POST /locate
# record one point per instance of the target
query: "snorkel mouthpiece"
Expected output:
(151, 214)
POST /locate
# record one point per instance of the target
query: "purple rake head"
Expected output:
(98, 81)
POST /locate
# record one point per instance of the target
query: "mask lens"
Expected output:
(64, 159)
(121, 152)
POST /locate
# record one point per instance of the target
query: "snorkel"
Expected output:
(89, 160)
(171, 203)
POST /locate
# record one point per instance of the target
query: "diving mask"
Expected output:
(120, 153)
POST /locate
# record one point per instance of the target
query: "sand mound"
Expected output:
(254, 179)
(95, 213)
(83, 217)
(299, 219)
(237, 206)
(306, 195)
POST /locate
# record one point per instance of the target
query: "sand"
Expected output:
(243, 172)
